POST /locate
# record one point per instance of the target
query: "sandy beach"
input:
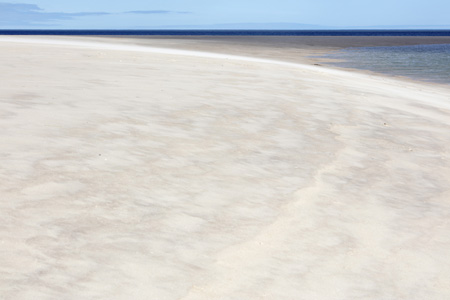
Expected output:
(218, 169)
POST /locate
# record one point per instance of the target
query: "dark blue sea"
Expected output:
(229, 32)
(423, 62)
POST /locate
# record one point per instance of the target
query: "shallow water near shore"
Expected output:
(423, 62)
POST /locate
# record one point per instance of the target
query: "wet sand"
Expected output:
(145, 173)
(286, 48)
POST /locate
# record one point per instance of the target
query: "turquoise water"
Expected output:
(422, 62)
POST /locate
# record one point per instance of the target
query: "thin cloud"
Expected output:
(31, 14)
(24, 14)
(149, 12)
(18, 7)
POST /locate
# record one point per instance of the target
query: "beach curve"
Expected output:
(217, 176)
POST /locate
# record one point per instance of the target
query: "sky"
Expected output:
(221, 14)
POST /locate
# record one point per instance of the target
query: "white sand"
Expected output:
(143, 173)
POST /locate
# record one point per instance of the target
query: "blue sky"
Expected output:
(139, 14)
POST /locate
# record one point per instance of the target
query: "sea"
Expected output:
(421, 62)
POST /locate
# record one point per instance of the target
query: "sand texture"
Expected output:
(135, 173)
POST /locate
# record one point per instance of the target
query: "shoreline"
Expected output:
(138, 172)
(290, 50)
(303, 49)
(306, 50)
